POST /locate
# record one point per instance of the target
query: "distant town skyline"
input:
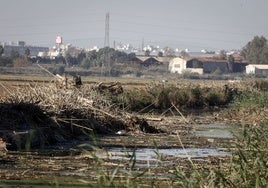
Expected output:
(191, 24)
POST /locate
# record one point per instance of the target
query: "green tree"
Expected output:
(81, 56)
(184, 53)
(68, 59)
(1, 50)
(5, 61)
(13, 55)
(147, 53)
(160, 54)
(85, 63)
(131, 56)
(223, 54)
(60, 60)
(92, 54)
(91, 59)
(169, 52)
(256, 51)
(27, 52)
(230, 61)
(120, 57)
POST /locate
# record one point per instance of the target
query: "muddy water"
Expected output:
(149, 154)
(207, 135)
(214, 130)
(74, 159)
(202, 142)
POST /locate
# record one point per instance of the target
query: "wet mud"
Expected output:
(199, 140)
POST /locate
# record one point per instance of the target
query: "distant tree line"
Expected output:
(14, 59)
(104, 57)
(255, 52)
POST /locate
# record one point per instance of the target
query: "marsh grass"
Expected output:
(160, 97)
(248, 166)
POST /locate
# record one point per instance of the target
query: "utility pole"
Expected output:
(142, 44)
(106, 39)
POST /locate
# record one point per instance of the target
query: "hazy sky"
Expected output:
(192, 24)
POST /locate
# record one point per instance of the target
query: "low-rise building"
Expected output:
(148, 61)
(182, 65)
(21, 47)
(257, 69)
(204, 65)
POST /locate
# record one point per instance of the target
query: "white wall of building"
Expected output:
(177, 65)
(250, 69)
(257, 69)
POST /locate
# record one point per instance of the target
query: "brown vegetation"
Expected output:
(57, 114)
(21, 62)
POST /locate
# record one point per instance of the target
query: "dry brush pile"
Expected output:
(49, 114)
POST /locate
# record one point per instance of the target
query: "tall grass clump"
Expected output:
(249, 164)
(135, 99)
(246, 167)
(251, 98)
(250, 160)
(161, 97)
(261, 85)
(250, 105)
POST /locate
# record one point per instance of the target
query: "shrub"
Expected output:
(136, 99)
(57, 69)
(161, 97)
(215, 97)
(21, 62)
(261, 85)
(4, 61)
(195, 97)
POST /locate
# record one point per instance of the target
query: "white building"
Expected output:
(259, 69)
(179, 65)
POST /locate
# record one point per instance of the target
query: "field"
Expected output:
(123, 131)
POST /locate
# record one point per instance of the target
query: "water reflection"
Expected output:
(214, 130)
(149, 154)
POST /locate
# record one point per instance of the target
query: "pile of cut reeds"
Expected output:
(52, 114)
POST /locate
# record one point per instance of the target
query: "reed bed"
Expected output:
(63, 113)
(184, 95)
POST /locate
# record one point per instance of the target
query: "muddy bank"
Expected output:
(156, 156)
(27, 126)
(34, 169)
